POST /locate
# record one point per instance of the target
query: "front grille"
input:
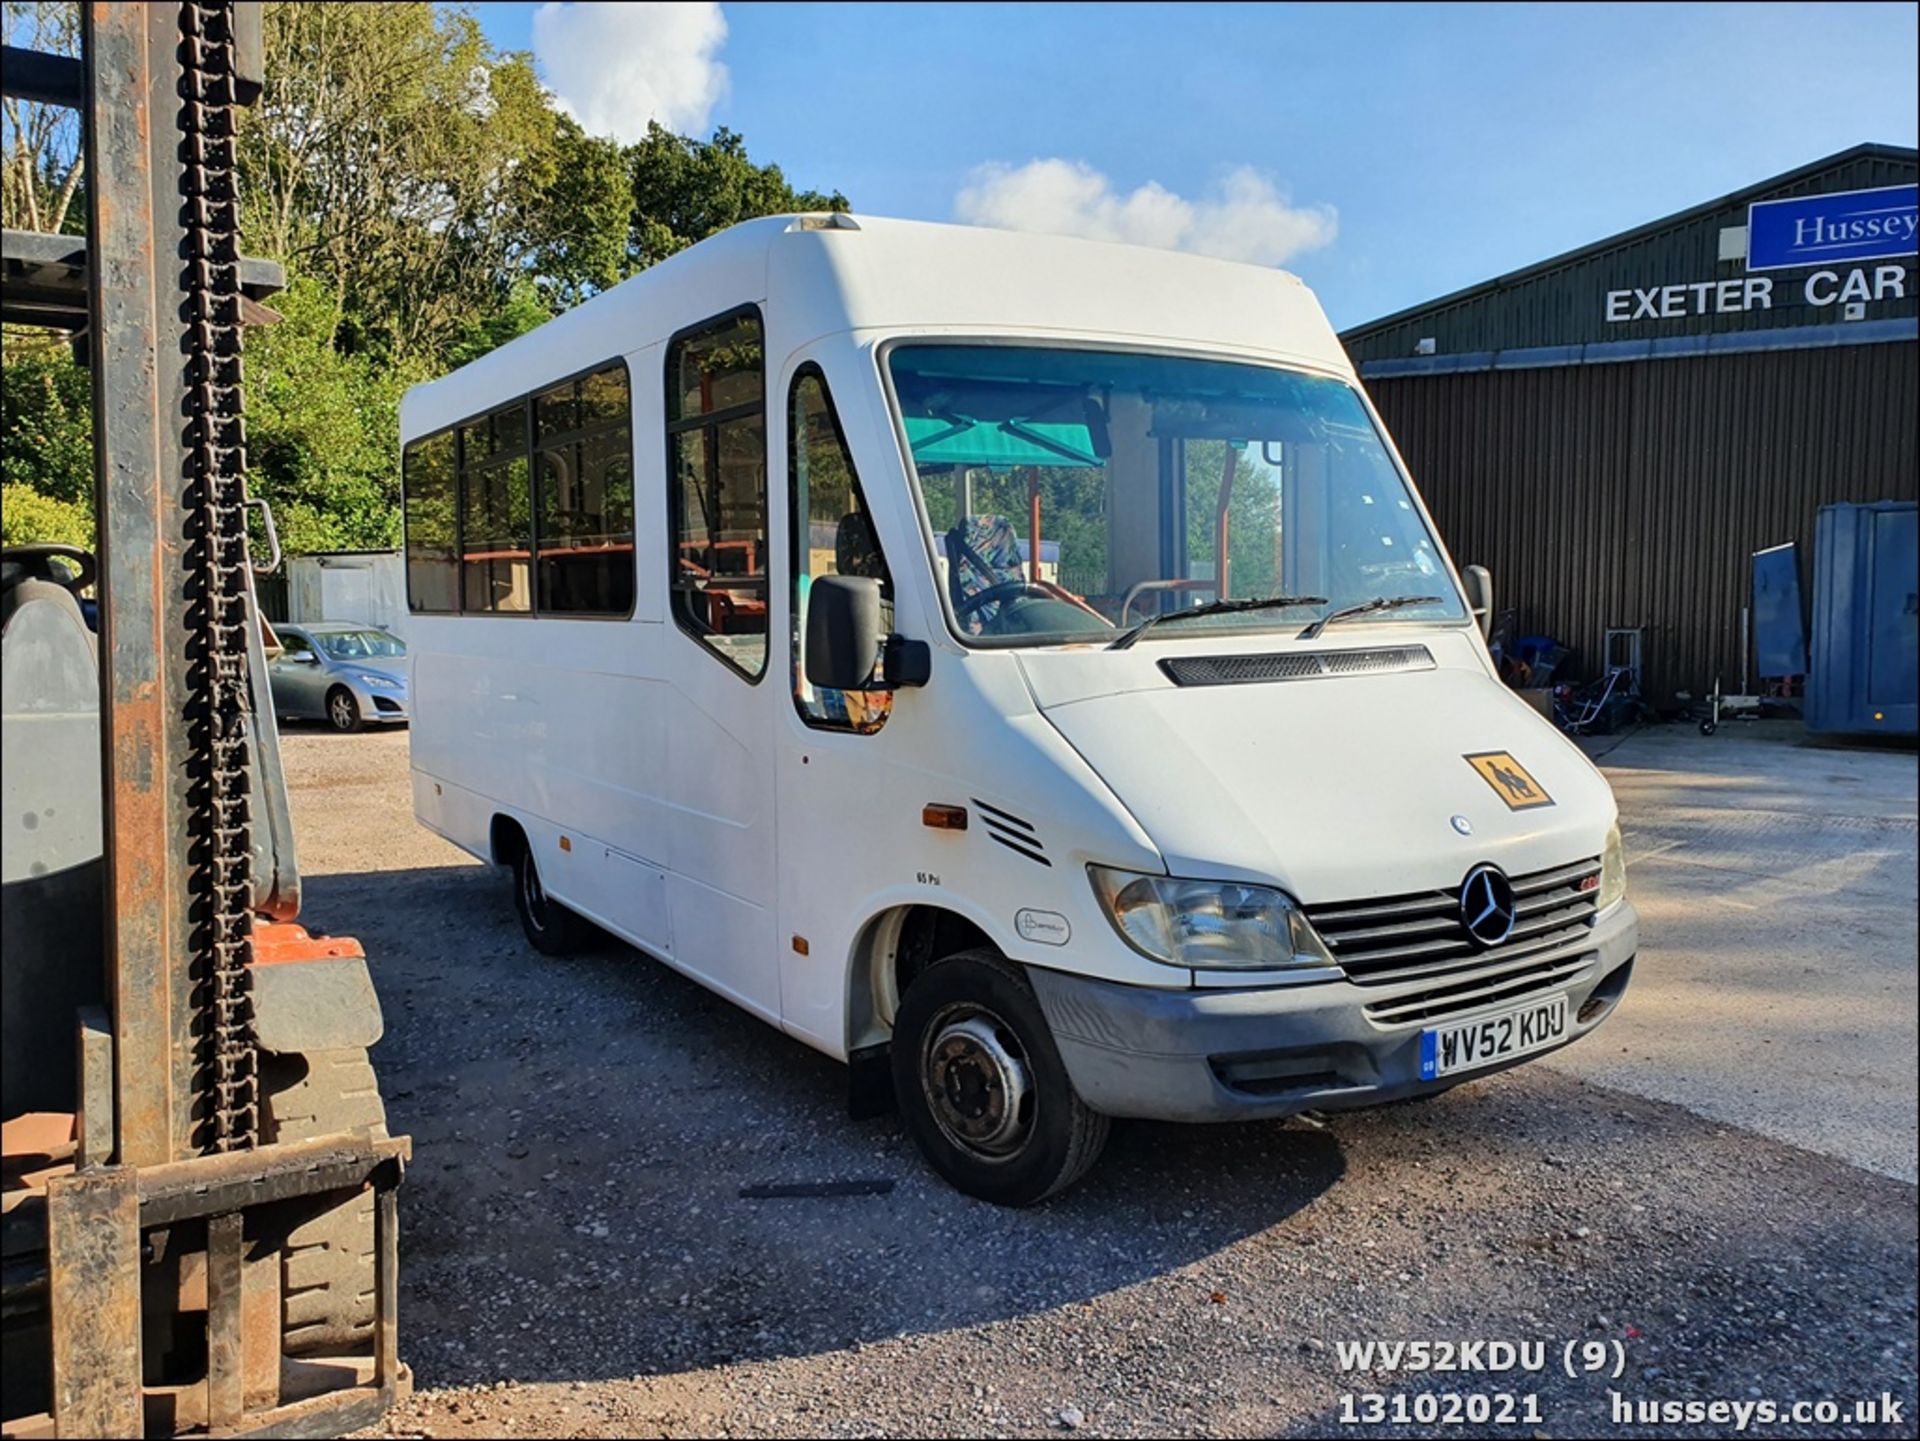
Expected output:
(1478, 992)
(1294, 665)
(1420, 937)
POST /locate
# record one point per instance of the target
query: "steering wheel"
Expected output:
(1005, 590)
(35, 562)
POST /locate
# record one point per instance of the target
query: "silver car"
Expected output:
(345, 674)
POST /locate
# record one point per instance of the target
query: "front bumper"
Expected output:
(381, 706)
(1225, 1055)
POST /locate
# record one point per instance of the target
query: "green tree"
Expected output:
(428, 202)
(520, 308)
(322, 428)
(578, 219)
(27, 516)
(1253, 516)
(391, 158)
(46, 418)
(685, 190)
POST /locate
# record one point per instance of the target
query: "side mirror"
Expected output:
(1480, 595)
(843, 631)
(845, 642)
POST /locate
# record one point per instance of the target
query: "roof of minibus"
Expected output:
(820, 275)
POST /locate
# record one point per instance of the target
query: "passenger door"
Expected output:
(836, 747)
(719, 777)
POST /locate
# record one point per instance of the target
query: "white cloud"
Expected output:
(1243, 216)
(614, 67)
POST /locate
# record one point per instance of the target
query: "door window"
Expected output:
(833, 534)
(717, 488)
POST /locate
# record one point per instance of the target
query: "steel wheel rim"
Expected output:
(343, 710)
(978, 1083)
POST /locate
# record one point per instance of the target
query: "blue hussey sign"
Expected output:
(1832, 229)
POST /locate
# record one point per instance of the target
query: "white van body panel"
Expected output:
(1227, 788)
(906, 278)
(695, 813)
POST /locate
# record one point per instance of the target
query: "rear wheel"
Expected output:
(981, 1084)
(343, 711)
(327, 1264)
(551, 928)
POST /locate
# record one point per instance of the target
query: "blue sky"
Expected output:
(1386, 153)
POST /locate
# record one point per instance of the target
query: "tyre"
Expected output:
(982, 1087)
(551, 928)
(1708, 727)
(326, 1265)
(343, 711)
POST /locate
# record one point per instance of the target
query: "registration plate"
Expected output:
(1486, 1040)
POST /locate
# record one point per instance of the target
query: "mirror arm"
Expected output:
(905, 662)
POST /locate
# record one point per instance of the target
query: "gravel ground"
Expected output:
(577, 1258)
(1756, 859)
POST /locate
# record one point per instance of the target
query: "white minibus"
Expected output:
(1020, 667)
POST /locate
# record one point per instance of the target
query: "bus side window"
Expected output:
(717, 488)
(433, 570)
(496, 521)
(583, 477)
(833, 534)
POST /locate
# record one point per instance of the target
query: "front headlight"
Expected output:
(1613, 870)
(376, 681)
(1209, 925)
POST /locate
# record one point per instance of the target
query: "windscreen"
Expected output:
(360, 644)
(1074, 493)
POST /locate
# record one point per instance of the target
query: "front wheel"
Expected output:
(343, 711)
(981, 1084)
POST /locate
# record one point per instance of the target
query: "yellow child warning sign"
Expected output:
(1509, 780)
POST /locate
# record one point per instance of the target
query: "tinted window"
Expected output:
(833, 535)
(717, 489)
(496, 522)
(556, 412)
(433, 572)
(583, 472)
(716, 368)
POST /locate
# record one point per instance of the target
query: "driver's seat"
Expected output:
(983, 551)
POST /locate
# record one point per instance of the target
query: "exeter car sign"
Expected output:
(1832, 229)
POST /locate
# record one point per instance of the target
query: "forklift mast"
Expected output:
(205, 1238)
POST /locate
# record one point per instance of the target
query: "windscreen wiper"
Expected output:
(1218, 607)
(1369, 607)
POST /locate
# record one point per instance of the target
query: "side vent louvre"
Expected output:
(1012, 832)
(1294, 665)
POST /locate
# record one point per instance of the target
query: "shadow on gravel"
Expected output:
(582, 1130)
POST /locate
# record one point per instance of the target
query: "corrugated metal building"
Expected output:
(1615, 431)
